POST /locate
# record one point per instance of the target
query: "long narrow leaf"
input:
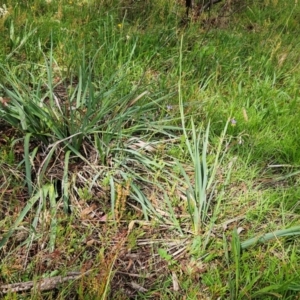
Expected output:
(28, 163)
(293, 231)
(53, 225)
(20, 218)
(65, 182)
(112, 196)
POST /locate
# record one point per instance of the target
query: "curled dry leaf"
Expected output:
(90, 242)
(240, 229)
(87, 213)
(137, 287)
(4, 101)
(175, 282)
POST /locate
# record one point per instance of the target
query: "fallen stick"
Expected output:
(44, 284)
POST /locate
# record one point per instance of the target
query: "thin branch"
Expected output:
(44, 284)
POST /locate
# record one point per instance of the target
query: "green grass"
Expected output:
(156, 158)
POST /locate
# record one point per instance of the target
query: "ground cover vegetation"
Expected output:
(147, 155)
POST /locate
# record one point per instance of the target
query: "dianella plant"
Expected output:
(101, 122)
(200, 191)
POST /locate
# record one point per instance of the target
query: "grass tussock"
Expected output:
(147, 155)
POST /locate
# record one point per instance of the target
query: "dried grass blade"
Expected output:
(28, 163)
(53, 225)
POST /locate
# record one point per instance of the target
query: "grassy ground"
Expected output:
(146, 157)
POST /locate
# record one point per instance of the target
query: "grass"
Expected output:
(146, 157)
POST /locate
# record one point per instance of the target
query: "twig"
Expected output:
(44, 284)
